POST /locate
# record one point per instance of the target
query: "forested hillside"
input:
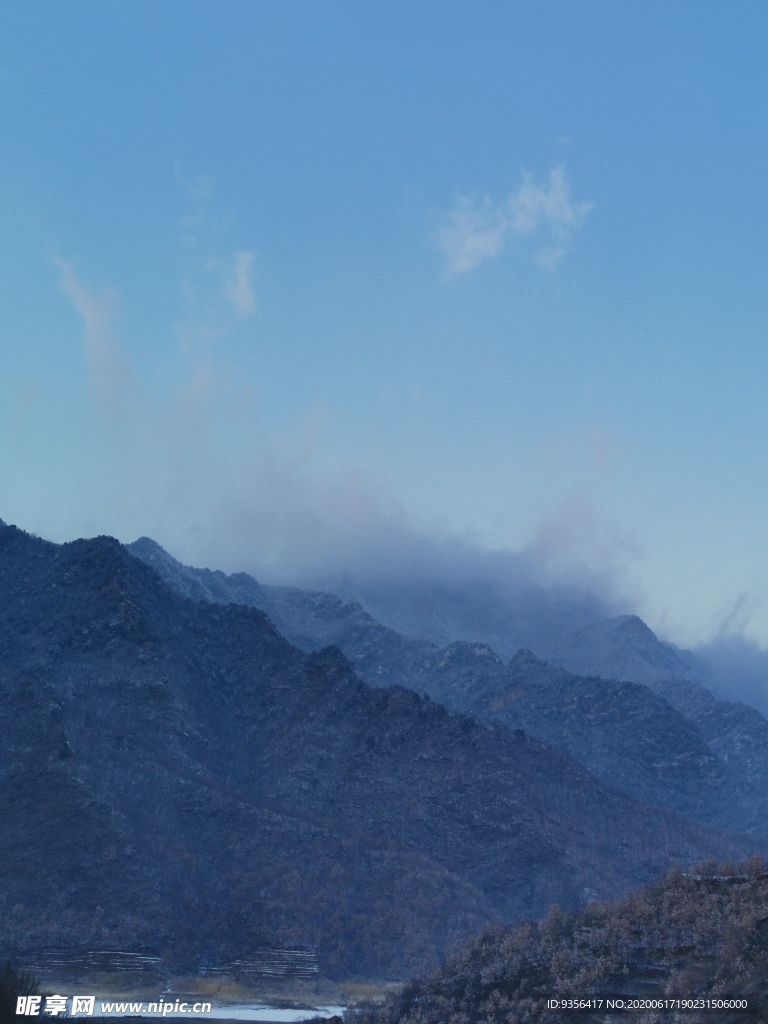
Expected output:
(699, 933)
(179, 779)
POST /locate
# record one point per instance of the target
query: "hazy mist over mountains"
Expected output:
(285, 521)
(562, 591)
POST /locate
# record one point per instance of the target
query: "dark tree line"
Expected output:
(14, 983)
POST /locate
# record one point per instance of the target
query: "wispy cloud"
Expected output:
(111, 378)
(218, 295)
(238, 287)
(476, 230)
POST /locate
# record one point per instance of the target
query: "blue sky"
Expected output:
(283, 284)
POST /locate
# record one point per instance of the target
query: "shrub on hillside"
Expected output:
(703, 932)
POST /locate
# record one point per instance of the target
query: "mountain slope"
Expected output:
(671, 742)
(622, 732)
(177, 776)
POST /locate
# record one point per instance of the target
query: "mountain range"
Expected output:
(655, 731)
(179, 778)
(569, 631)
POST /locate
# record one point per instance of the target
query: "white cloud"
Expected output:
(237, 284)
(476, 231)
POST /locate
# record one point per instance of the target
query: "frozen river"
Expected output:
(272, 1013)
(232, 1011)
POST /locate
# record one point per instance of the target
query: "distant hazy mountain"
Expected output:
(570, 631)
(670, 742)
(177, 777)
(629, 735)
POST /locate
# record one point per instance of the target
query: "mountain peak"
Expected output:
(150, 551)
(524, 658)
